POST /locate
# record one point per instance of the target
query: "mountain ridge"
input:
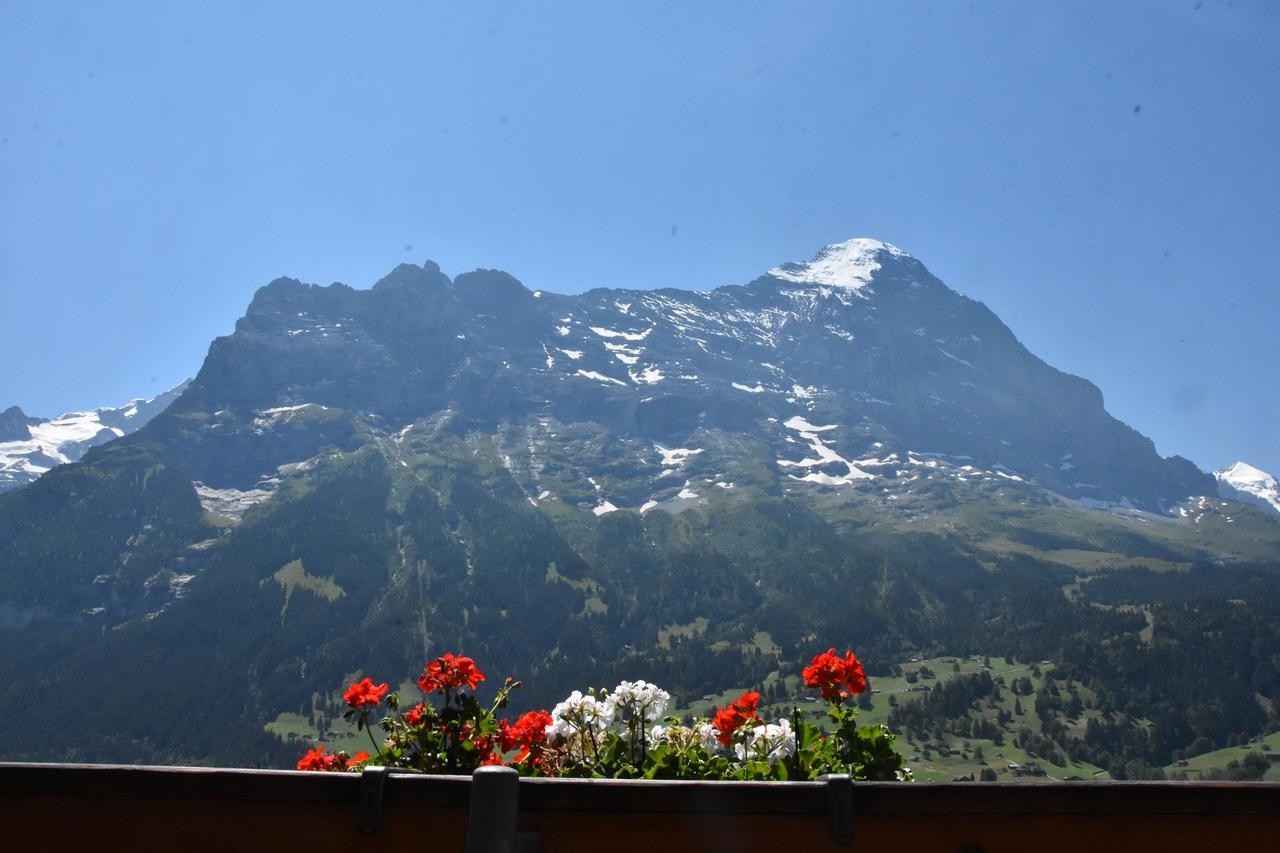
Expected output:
(529, 330)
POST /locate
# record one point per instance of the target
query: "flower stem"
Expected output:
(595, 747)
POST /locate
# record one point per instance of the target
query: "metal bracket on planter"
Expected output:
(491, 820)
(373, 785)
(840, 817)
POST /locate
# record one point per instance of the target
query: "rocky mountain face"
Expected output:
(687, 486)
(31, 446)
(15, 425)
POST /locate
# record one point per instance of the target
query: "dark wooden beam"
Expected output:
(46, 807)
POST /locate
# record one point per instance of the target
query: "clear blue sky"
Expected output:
(1103, 175)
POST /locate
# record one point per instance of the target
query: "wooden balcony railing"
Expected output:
(56, 807)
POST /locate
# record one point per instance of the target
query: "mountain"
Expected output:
(892, 364)
(695, 488)
(1246, 484)
(31, 446)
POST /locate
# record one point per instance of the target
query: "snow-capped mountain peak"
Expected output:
(46, 442)
(1242, 482)
(850, 264)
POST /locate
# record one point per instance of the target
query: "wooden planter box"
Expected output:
(46, 807)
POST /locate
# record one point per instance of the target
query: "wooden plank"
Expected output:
(653, 796)
(79, 807)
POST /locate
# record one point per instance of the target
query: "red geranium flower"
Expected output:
(318, 759)
(527, 732)
(364, 693)
(734, 716)
(836, 677)
(450, 673)
(414, 715)
(357, 758)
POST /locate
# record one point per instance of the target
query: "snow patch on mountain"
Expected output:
(824, 458)
(957, 358)
(674, 457)
(229, 503)
(648, 376)
(623, 353)
(626, 336)
(600, 377)
(801, 425)
(1246, 484)
(267, 419)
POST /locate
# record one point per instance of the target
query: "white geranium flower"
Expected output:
(768, 743)
(578, 713)
(709, 736)
(632, 699)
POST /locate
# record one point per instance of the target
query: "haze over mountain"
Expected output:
(686, 486)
